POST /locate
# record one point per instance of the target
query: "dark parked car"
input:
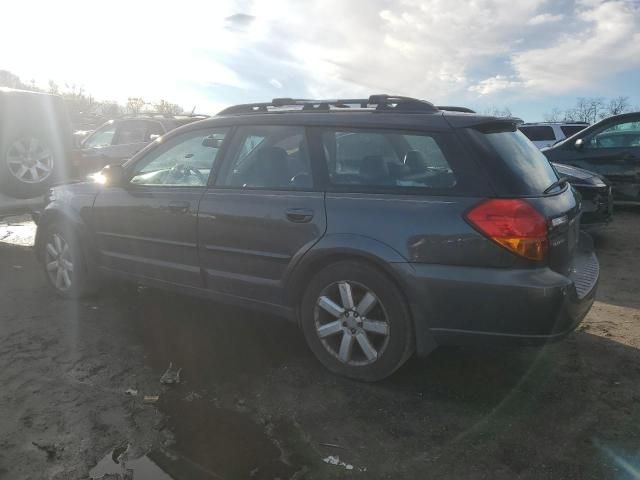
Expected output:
(35, 142)
(383, 226)
(118, 140)
(610, 148)
(595, 192)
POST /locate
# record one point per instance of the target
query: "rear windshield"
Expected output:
(522, 169)
(538, 133)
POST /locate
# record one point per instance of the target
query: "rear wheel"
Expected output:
(356, 321)
(64, 263)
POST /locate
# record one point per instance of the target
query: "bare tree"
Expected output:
(587, 109)
(135, 104)
(53, 87)
(556, 115)
(616, 106)
(494, 111)
(163, 106)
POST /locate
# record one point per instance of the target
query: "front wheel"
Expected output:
(64, 263)
(356, 321)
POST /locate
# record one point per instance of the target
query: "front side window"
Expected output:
(185, 160)
(268, 157)
(386, 159)
(621, 135)
(103, 137)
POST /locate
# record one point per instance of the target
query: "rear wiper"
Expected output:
(558, 183)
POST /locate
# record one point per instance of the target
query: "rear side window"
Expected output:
(538, 133)
(569, 130)
(521, 167)
(386, 159)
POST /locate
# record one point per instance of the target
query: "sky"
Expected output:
(530, 56)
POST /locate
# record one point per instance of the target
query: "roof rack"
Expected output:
(377, 103)
(451, 108)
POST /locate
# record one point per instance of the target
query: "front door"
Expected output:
(261, 215)
(614, 152)
(148, 228)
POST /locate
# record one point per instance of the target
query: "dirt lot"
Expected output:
(253, 403)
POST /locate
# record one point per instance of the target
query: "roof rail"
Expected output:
(378, 103)
(451, 108)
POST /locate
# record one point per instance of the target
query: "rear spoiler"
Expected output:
(484, 124)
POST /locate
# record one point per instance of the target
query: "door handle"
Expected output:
(299, 215)
(179, 207)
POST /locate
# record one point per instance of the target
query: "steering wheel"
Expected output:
(181, 170)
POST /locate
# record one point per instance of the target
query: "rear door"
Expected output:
(262, 213)
(614, 152)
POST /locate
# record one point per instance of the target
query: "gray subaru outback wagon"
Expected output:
(382, 226)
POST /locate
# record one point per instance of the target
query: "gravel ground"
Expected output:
(253, 403)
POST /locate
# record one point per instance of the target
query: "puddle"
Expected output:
(210, 443)
(18, 230)
(143, 468)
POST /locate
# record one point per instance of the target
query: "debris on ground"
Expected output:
(170, 376)
(151, 398)
(331, 460)
(131, 391)
(191, 396)
(331, 445)
(53, 450)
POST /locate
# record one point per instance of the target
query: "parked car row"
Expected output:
(365, 221)
(38, 147)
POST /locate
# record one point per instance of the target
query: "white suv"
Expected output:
(545, 134)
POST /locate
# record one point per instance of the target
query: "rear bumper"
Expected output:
(465, 305)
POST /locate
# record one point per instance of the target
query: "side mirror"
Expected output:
(579, 144)
(112, 175)
(211, 142)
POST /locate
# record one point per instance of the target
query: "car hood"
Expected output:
(578, 176)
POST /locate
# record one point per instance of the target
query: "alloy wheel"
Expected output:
(352, 323)
(59, 262)
(29, 160)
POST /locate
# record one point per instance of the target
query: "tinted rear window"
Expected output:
(569, 130)
(538, 134)
(522, 169)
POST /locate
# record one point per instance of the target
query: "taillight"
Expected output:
(513, 224)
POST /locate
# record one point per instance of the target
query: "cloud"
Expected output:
(495, 84)
(545, 18)
(606, 45)
(239, 21)
(240, 50)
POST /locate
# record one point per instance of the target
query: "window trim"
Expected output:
(316, 133)
(130, 173)
(231, 149)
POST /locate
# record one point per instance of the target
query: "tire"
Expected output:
(29, 163)
(366, 338)
(64, 263)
